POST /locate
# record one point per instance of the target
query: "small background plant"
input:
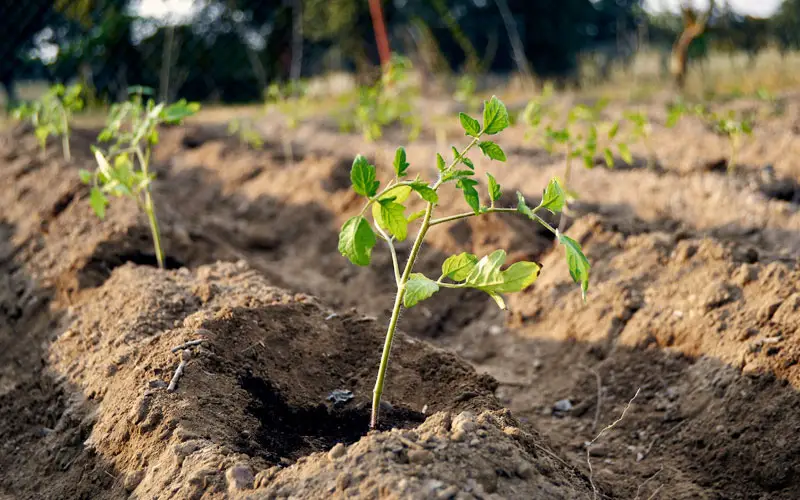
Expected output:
(52, 113)
(736, 126)
(123, 168)
(291, 102)
(391, 223)
(246, 131)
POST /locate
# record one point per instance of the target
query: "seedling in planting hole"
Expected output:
(246, 132)
(390, 222)
(582, 136)
(291, 101)
(51, 114)
(387, 102)
(735, 126)
(641, 131)
(123, 169)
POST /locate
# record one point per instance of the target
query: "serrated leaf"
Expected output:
(472, 127)
(577, 262)
(458, 267)
(362, 175)
(487, 276)
(440, 164)
(625, 154)
(85, 176)
(467, 186)
(609, 157)
(494, 188)
(458, 174)
(466, 161)
(98, 202)
(418, 288)
(495, 116)
(391, 217)
(356, 240)
(553, 198)
(425, 192)
(400, 163)
(492, 150)
(523, 207)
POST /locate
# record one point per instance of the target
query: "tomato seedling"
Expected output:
(391, 223)
(51, 115)
(123, 168)
(733, 125)
(247, 133)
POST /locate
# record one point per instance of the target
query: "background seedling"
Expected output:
(123, 169)
(582, 136)
(465, 93)
(389, 101)
(733, 125)
(391, 223)
(641, 132)
(247, 133)
(51, 114)
(291, 102)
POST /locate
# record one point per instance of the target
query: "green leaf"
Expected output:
(467, 186)
(440, 164)
(392, 218)
(400, 163)
(472, 127)
(85, 176)
(495, 116)
(487, 276)
(577, 262)
(176, 112)
(425, 192)
(588, 161)
(613, 131)
(418, 288)
(362, 175)
(492, 150)
(609, 157)
(625, 154)
(494, 188)
(416, 215)
(523, 207)
(553, 198)
(98, 202)
(356, 240)
(458, 267)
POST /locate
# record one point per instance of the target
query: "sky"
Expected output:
(763, 8)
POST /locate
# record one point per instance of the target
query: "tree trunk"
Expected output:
(381, 37)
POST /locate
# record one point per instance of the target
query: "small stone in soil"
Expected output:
(562, 406)
(337, 451)
(340, 396)
(420, 457)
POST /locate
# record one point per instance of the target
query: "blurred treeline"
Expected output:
(230, 50)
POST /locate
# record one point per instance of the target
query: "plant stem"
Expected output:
(398, 303)
(392, 251)
(451, 218)
(151, 216)
(401, 290)
(65, 139)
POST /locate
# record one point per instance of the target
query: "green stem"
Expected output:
(401, 289)
(464, 215)
(398, 303)
(567, 171)
(388, 241)
(151, 216)
(734, 150)
(65, 139)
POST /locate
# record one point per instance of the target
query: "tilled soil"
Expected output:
(693, 308)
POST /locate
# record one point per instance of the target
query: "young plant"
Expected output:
(391, 223)
(465, 93)
(246, 132)
(123, 169)
(641, 131)
(735, 126)
(291, 102)
(51, 114)
(387, 102)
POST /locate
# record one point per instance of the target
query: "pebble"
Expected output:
(420, 457)
(464, 422)
(239, 477)
(337, 451)
(562, 405)
(448, 493)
